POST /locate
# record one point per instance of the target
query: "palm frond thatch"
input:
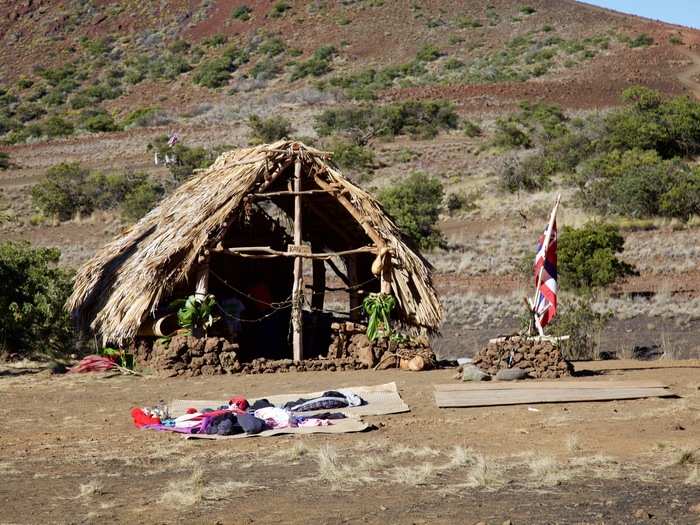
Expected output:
(131, 276)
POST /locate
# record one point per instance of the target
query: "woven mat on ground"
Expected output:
(339, 426)
(380, 400)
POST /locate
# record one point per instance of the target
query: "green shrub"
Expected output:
(217, 40)
(465, 22)
(216, 72)
(56, 126)
(4, 160)
(681, 199)
(61, 192)
(350, 155)
(577, 319)
(33, 292)
(428, 53)
(60, 74)
(527, 10)
(97, 121)
(279, 8)
(531, 174)
(144, 117)
(587, 256)
(511, 134)
(365, 84)
(317, 65)
(189, 159)
(272, 46)
(642, 40)
(418, 118)
(266, 130)
(265, 69)
(471, 129)
(638, 183)
(242, 12)
(28, 111)
(415, 206)
(140, 199)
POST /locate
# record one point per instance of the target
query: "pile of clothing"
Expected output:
(240, 417)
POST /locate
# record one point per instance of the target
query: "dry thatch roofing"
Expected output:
(126, 281)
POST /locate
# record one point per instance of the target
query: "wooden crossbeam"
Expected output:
(251, 251)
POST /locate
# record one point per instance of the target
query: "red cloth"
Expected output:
(142, 419)
(239, 402)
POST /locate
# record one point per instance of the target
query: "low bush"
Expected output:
(97, 121)
(241, 12)
(317, 65)
(140, 199)
(577, 319)
(511, 134)
(365, 84)
(471, 129)
(145, 117)
(415, 206)
(350, 155)
(418, 118)
(279, 8)
(428, 53)
(4, 160)
(638, 183)
(587, 256)
(642, 40)
(33, 292)
(216, 72)
(266, 130)
(531, 174)
(60, 193)
(56, 126)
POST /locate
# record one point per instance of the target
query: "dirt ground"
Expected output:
(69, 454)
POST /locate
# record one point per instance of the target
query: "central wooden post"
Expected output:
(298, 286)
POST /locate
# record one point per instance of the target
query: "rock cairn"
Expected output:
(539, 358)
(184, 355)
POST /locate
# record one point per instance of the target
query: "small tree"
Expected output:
(415, 205)
(587, 257)
(61, 192)
(266, 130)
(33, 292)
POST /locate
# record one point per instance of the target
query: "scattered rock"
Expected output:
(511, 374)
(472, 373)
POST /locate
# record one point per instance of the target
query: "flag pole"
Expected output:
(545, 246)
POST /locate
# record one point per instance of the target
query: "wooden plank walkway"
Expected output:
(516, 393)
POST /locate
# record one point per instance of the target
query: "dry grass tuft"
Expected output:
(339, 473)
(694, 477)
(484, 474)
(572, 444)
(91, 488)
(184, 493)
(293, 453)
(221, 491)
(418, 452)
(413, 474)
(547, 471)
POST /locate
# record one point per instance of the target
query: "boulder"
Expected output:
(473, 373)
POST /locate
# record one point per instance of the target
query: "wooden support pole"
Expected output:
(319, 283)
(355, 300)
(298, 286)
(202, 287)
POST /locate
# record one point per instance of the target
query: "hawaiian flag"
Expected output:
(545, 270)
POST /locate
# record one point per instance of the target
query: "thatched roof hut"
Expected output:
(221, 222)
